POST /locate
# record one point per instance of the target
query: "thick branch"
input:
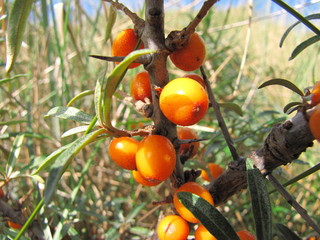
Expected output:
(284, 144)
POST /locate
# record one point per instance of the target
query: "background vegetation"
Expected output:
(95, 198)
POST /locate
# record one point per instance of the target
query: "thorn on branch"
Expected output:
(146, 59)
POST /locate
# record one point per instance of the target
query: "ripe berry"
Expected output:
(140, 86)
(202, 233)
(190, 57)
(314, 122)
(138, 177)
(195, 188)
(215, 170)
(184, 101)
(124, 43)
(197, 78)
(191, 148)
(155, 158)
(205, 175)
(245, 235)
(173, 227)
(123, 152)
(315, 99)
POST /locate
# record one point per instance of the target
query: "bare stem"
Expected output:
(303, 213)
(220, 119)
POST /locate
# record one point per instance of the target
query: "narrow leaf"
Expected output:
(79, 96)
(5, 80)
(73, 131)
(233, 107)
(290, 105)
(111, 21)
(64, 160)
(283, 83)
(114, 80)
(302, 46)
(70, 113)
(99, 96)
(209, 216)
(12, 122)
(17, 21)
(284, 36)
(287, 233)
(14, 153)
(260, 202)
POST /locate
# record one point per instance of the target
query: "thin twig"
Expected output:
(220, 119)
(303, 213)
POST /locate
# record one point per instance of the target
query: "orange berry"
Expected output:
(173, 227)
(123, 150)
(245, 235)
(194, 188)
(190, 57)
(140, 86)
(155, 158)
(197, 78)
(124, 43)
(14, 225)
(138, 177)
(192, 148)
(314, 122)
(215, 170)
(205, 175)
(202, 233)
(315, 99)
(1, 193)
(184, 101)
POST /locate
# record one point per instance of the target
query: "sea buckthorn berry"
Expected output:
(138, 177)
(1, 193)
(215, 170)
(190, 57)
(202, 233)
(192, 148)
(245, 235)
(123, 150)
(14, 225)
(124, 43)
(205, 175)
(155, 158)
(315, 99)
(173, 227)
(314, 122)
(140, 86)
(197, 78)
(184, 101)
(194, 188)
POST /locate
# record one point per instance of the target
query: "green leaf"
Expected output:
(79, 96)
(14, 153)
(290, 106)
(17, 21)
(114, 80)
(284, 36)
(233, 107)
(73, 131)
(260, 202)
(99, 96)
(209, 216)
(63, 161)
(5, 80)
(70, 113)
(302, 46)
(283, 83)
(111, 21)
(135, 211)
(287, 233)
(12, 122)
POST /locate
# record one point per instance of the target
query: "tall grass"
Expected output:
(96, 198)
